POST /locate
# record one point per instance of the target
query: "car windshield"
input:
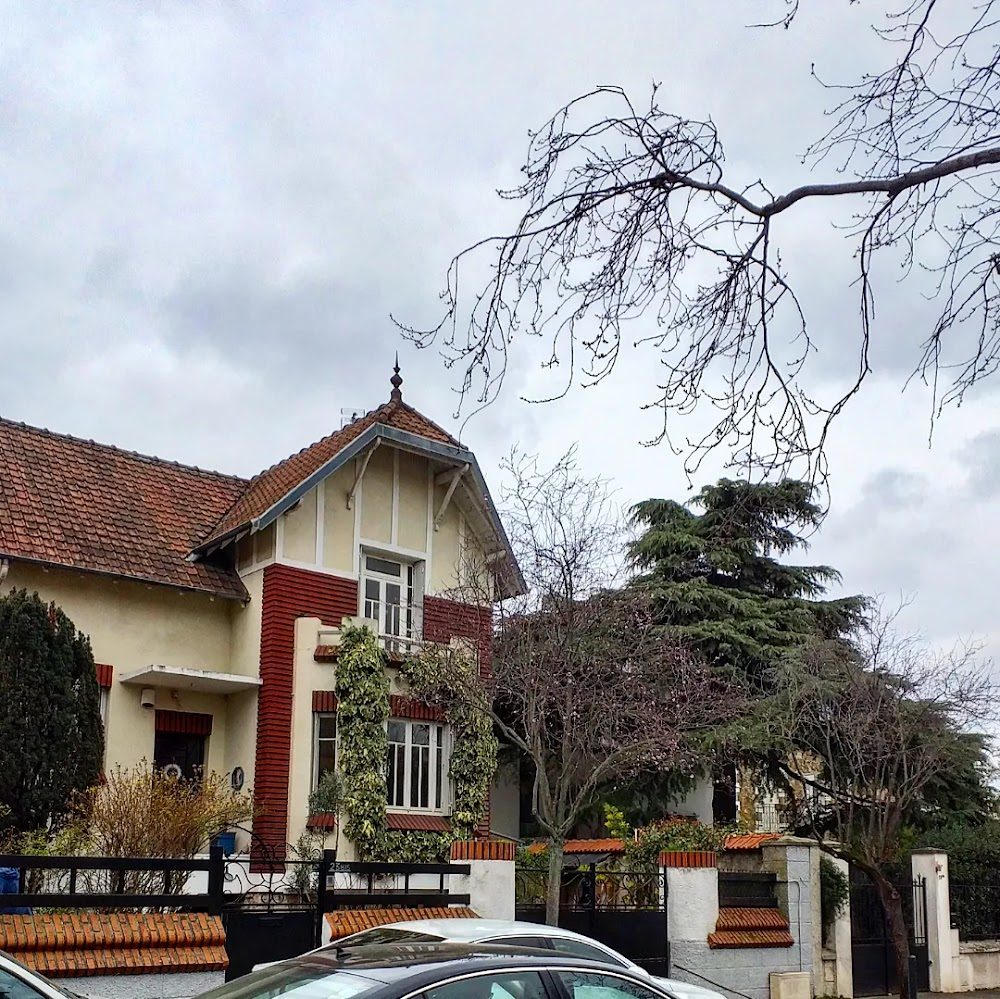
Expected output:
(296, 980)
(383, 935)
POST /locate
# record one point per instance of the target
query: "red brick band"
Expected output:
(480, 850)
(688, 858)
(412, 822)
(183, 722)
(288, 594)
(325, 701)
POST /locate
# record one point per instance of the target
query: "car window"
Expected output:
(12, 987)
(577, 948)
(491, 985)
(593, 985)
(295, 981)
(540, 943)
(383, 935)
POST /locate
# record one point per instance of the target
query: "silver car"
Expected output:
(511, 933)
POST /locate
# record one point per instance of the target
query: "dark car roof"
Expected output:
(420, 962)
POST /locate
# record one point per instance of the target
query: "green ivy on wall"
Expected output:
(362, 690)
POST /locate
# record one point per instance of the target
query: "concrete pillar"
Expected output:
(932, 866)
(840, 941)
(796, 863)
(692, 886)
(490, 882)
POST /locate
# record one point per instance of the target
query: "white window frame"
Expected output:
(440, 739)
(410, 583)
(104, 699)
(317, 716)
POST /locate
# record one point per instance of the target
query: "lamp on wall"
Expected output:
(148, 697)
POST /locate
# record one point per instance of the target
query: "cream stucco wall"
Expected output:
(308, 675)
(299, 543)
(376, 495)
(446, 547)
(132, 625)
(338, 521)
(413, 496)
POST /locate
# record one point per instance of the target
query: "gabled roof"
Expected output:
(97, 508)
(269, 487)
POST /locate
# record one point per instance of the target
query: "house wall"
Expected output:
(132, 625)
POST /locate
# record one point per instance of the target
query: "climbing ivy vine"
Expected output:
(362, 712)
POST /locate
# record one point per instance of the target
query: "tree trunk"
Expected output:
(553, 887)
(892, 905)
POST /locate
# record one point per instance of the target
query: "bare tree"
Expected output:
(580, 682)
(628, 215)
(876, 737)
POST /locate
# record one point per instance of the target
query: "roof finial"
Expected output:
(396, 381)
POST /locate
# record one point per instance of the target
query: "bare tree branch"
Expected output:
(628, 217)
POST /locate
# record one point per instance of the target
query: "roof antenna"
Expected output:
(396, 381)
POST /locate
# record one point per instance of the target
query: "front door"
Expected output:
(179, 754)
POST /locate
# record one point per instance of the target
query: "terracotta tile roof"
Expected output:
(750, 841)
(347, 921)
(585, 846)
(94, 507)
(750, 928)
(271, 485)
(62, 945)
(419, 823)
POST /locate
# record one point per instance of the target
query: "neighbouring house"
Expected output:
(213, 602)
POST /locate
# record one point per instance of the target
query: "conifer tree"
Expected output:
(716, 577)
(51, 738)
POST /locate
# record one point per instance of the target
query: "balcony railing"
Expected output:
(397, 645)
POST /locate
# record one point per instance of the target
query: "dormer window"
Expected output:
(390, 595)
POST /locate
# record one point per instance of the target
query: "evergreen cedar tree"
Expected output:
(715, 577)
(51, 738)
(716, 580)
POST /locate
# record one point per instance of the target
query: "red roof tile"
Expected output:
(419, 823)
(585, 846)
(97, 508)
(750, 841)
(91, 943)
(344, 922)
(750, 928)
(276, 482)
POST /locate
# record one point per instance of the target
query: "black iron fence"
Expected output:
(271, 910)
(975, 910)
(739, 890)
(626, 910)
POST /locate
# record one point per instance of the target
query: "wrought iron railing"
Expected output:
(591, 888)
(975, 910)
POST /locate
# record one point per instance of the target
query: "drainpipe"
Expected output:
(4, 568)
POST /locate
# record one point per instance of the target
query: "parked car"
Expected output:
(511, 933)
(19, 982)
(438, 971)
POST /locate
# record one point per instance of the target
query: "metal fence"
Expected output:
(975, 910)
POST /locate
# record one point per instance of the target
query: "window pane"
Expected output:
(14, 988)
(577, 948)
(421, 735)
(397, 731)
(326, 757)
(590, 985)
(372, 588)
(327, 726)
(383, 566)
(438, 773)
(492, 985)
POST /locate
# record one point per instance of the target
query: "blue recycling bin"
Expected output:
(227, 841)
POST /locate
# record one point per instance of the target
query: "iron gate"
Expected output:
(626, 910)
(871, 944)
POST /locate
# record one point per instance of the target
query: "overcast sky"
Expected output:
(210, 210)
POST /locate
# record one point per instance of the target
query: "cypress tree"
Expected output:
(51, 738)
